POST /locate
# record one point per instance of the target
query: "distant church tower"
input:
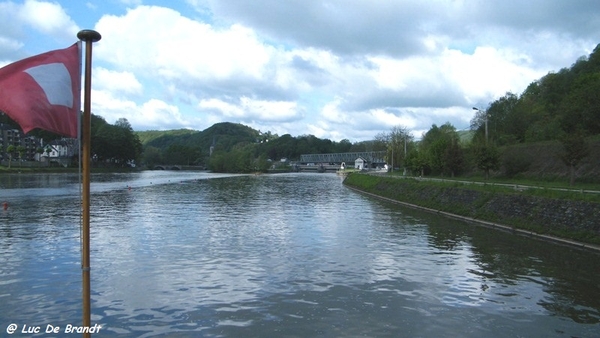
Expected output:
(212, 147)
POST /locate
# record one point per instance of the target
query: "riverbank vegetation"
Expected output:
(549, 132)
(232, 147)
(564, 214)
(112, 145)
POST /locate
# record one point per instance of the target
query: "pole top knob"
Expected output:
(89, 35)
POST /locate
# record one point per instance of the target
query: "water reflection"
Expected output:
(281, 255)
(529, 274)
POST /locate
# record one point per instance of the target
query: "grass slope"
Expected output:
(561, 214)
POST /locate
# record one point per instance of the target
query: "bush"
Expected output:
(515, 163)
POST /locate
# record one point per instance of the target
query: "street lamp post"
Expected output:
(486, 122)
(404, 162)
(392, 157)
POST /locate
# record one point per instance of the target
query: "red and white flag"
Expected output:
(43, 91)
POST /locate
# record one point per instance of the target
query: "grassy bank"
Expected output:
(566, 215)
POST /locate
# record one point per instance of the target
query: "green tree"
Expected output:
(580, 108)
(576, 149)
(343, 146)
(10, 151)
(243, 159)
(453, 157)
(133, 148)
(284, 146)
(106, 144)
(397, 144)
(115, 144)
(524, 114)
(563, 101)
(21, 150)
(261, 164)
(217, 161)
(181, 154)
(501, 117)
(487, 157)
(441, 148)
(417, 161)
(239, 160)
(152, 156)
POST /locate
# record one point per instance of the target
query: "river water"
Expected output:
(188, 254)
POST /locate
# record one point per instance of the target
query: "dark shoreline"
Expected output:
(59, 170)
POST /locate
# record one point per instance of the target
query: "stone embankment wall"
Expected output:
(576, 220)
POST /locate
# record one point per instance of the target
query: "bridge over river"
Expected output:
(333, 161)
(372, 157)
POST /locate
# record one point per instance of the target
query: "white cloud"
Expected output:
(153, 114)
(124, 82)
(157, 113)
(48, 18)
(334, 69)
(392, 120)
(163, 43)
(320, 130)
(251, 110)
(331, 112)
(8, 44)
(488, 73)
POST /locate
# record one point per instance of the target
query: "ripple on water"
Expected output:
(282, 255)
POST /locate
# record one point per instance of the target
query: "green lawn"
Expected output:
(580, 191)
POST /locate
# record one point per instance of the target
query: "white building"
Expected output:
(361, 164)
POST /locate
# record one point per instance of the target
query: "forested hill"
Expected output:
(193, 147)
(227, 134)
(560, 103)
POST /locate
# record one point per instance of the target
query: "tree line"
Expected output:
(561, 106)
(231, 147)
(112, 145)
(560, 103)
(440, 151)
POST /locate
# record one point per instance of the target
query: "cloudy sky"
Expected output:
(337, 69)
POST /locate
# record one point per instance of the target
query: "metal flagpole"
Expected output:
(89, 36)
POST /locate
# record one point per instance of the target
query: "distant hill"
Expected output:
(225, 136)
(151, 135)
(465, 136)
(194, 146)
